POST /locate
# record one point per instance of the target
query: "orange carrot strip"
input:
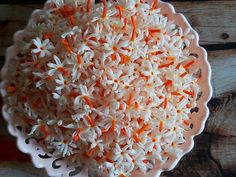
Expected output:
(136, 138)
(157, 53)
(168, 83)
(145, 161)
(88, 101)
(148, 101)
(186, 122)
(79, 59)
(113, 125)
(104, 13)
(188, 92)
(11, 88)
(183, 75)
(165, 103)
(91, 152)
(43, 129)
(123, 131)
(143, 128)
(181, 98)
(63, 70)
(133, 37)
(177, 67)
(76, 137)
(136, 105)
(72, 20)
(74, 94)
(122, 175)
(90, 120)
(189, 64)
(89, 5)
(161, 126)
(64, 42)
(130, 100)
(125, 24)
(154, 5)
(165, 65)
(120, 10)
(154, 30)
(175, 94)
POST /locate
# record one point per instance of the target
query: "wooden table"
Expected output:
(214, 154)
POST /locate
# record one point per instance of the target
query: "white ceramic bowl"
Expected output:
(56, 166)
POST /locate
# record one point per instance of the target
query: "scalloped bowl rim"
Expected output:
(178, 18)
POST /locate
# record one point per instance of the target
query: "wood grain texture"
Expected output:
(214, 153)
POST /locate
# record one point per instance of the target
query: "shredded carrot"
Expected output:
(104, 130)
(136, 105)
(124, 59)
(175, 94)
(66, 11)
(11, 88)
(168, 83)
(178, 66)
(186, 122)
(181, 98)
(183, 75)
(113, 57)
(188, 92)
(88, 5)
(64, 42)
(133, 21)
(120, 10)
(79, 59)
(90, 120)
(36, 103)
(130, 100)
(161, 126)
(102, 41)
(165, 103)
(123, 131)
(151, 31)
(72, 20)
(189, 64)
(113, 125)
(157, 53)
(125, 24)
(165, 65)
(73, 94)
(148, 101)
(170, 58)
(136, 138)
(48, 78)
(63, 70)
(188, 105)
(91, 152)
(122, 175)
(143, 128)
(145, 161)
(43, 129)
(97, 158)
(104, 13)
(154, 5)
(76, 137)
(88, 101)
(140, 121)
(47, 36)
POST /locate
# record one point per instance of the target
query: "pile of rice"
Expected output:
(107, 85)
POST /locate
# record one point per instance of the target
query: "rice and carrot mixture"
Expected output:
(107, 85)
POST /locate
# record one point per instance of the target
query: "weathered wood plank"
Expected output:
(215, 23)
(223, 65)
(198, 163)
(16, 169)
(223, 151)
(222, 119)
